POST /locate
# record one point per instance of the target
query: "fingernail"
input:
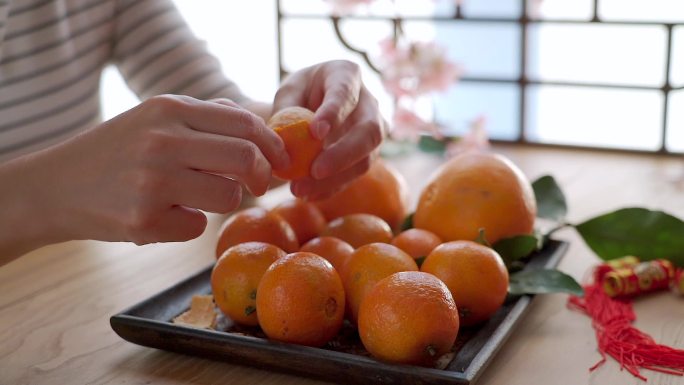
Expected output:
(319, 170)
(321, 129)
(300, 188)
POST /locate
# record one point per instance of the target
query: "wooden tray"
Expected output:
(148, 324)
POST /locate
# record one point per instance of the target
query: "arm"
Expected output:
(143, 176)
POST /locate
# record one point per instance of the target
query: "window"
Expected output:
(598, 73)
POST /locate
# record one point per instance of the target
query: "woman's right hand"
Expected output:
(144, 175)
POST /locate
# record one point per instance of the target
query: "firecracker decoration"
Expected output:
(677, 284)
(608, 302)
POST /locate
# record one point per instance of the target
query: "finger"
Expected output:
(365, 135)
(291, 93)
(206, 192)
(178, 223)
(313, 189)
(226, 102)
(235, 122)
(227, 156)
(341, 94)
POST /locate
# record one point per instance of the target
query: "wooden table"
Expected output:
(55, 302)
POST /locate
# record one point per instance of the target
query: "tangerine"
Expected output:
(475, 274)
(476, 191)
(292, 124)
(381, 191)
(366, 267)
(301, 300)
(334, 250)
(236, 276)
(359, 229)
(256, 224)
(417, 243)
(409, 318)
(304, 217)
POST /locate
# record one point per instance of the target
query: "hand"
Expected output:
(144, 175)
(347, 118)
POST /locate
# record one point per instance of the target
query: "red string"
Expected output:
(612, 320)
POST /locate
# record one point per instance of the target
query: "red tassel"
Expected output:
(612, 319)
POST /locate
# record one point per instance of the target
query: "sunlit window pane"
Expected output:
(677, 65)
(300, 50)
(492, 8)
(484, 50)
(651, 10)
(561, 9)
(595, 117)
(465, 102)
(675, 131)
(598, 53)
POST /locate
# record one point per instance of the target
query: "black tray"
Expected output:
(148, 324)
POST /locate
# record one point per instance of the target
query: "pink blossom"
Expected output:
(416, 68)
(409, 126)
(343, 7)
(475, 139)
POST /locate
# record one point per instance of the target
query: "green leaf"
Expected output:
(407, 223)
(636, 231)
(515, 248)
(428, 143)
(550, 199)
(543, 281)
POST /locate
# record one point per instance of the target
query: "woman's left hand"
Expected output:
(346, 117)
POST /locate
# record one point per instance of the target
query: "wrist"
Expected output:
(27, 220)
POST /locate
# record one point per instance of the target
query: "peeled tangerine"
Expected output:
(476, 191)
(292, 124)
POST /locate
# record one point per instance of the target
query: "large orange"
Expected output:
(301, 300)
(304, 217)
(236, 276)
(417, 243)
(476, 191)
(256, 224)
(381, 191)
(366, 267)
(335, 250)
(359, 229)
(409, 318)
(292, 125)
(475, 275)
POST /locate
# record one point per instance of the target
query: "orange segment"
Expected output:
(302, 148)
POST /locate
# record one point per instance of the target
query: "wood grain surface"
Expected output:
(55, 302)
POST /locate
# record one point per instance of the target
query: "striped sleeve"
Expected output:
(157, 53)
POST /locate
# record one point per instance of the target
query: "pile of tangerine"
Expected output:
(298, 276)
(298, 270)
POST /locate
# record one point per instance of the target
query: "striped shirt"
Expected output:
(52, 53)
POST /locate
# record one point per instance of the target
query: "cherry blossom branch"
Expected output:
(346, 44)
